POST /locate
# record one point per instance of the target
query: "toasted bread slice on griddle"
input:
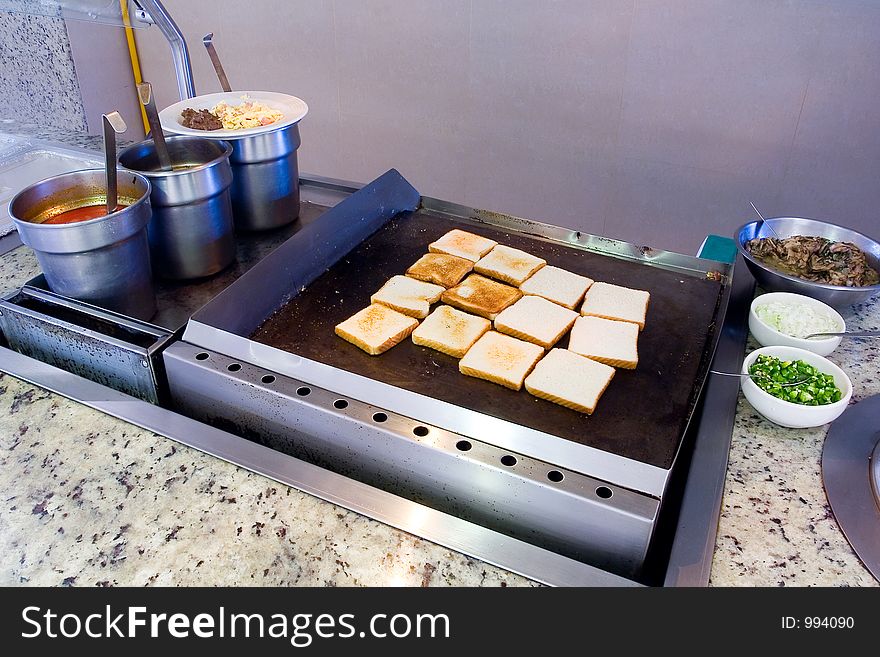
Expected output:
(509, 265)
(376, 329)
(565, 378)
(440, 269)
(536, 320)
(408, 296)
(500, 359)
(557, 285)
(481, 296)
(608, 341)
(462, 244)
(616, 302)
(451, 331)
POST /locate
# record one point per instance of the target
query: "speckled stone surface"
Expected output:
(31, 131)
(87, 500)
(776, 527)
(37, 75)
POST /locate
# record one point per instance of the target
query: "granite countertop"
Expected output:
(90, 500)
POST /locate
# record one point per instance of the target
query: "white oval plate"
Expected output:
(292, 108)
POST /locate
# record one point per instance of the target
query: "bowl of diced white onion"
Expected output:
(785, 319)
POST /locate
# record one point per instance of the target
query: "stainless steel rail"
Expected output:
(152, 11)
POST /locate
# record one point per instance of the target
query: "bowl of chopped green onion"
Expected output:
(794, 387)
(785, 319)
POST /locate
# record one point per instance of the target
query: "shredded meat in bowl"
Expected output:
(816, 259)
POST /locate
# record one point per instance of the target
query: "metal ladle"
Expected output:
(113, 123)
(207, 40)
(145, 93)
(764, 221)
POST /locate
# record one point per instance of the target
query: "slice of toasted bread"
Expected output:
(462, 244)
(509, 265)
(450, 331)
(616, 302)
(408, 296)
(608, 341)
(481, 296)
(557, 285)
(570, 380)
(536, 320)
(376, 329)
(500, 359)
(440, 269)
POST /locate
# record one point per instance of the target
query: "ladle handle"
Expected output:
(113, 123)
(208, 41)
(145, 93)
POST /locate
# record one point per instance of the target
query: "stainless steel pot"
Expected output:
(105, 261)
(265, 185)
(191, 232)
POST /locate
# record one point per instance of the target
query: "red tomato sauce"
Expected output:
(81, 214)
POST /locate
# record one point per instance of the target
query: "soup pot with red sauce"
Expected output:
(85, 253)
(81, 214)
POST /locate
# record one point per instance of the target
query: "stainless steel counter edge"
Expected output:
(451, 532)
(692, 548)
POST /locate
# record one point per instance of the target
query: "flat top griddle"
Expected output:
(641, 416)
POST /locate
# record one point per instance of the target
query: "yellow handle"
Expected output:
(133, 56)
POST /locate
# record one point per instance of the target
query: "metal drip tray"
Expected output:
(102, 346)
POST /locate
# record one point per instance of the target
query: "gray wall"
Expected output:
(106, 80)
(648, 120)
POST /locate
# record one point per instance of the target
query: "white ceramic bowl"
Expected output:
(768, 336)
(789, 414)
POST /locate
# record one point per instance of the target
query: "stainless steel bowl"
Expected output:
(772, 280)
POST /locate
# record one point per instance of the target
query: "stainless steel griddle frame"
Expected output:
(690, 532)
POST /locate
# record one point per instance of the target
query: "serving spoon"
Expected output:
(764, 221)
(755, 376)
(845, 334)
(113, 123)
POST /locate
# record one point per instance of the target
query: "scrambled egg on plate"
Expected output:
(250, 114)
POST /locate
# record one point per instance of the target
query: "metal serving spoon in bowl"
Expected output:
(756, 376)
(764, 221)
(845, 334)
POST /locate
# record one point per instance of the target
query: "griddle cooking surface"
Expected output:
(642, 415)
